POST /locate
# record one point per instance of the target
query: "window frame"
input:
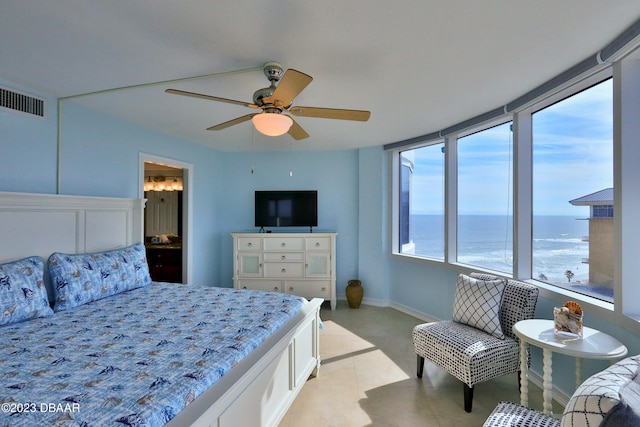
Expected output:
(468, 132)
(400, 163)
(626, 104)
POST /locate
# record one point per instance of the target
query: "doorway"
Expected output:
(165, 186)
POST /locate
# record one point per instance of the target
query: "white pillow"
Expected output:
(477, 304)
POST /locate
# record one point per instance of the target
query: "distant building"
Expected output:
(600, 235)
(406, 164)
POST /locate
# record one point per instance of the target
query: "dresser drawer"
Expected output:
(262, 285)
(283, 269)
(249, 244)
(284, 256)
(318, 243)
(284, 244)
(309, 289)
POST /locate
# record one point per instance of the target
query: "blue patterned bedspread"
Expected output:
(133, 359)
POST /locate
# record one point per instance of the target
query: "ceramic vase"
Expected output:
(354, 293)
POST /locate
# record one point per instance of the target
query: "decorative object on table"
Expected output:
(354, 292)
(594, 344)
(568, 319)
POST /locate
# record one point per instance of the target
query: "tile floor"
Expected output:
(368, 378)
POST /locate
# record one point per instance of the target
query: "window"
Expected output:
(574, 147)
(573, 192)
(421, 217)
(604, 211)
(485, 221)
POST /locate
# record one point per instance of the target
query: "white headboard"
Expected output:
(40, 224)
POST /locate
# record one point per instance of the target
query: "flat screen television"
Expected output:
(296, 208)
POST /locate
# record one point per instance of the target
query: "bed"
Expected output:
(128, 351)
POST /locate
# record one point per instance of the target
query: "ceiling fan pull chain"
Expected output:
(252, 153)
(291, 159)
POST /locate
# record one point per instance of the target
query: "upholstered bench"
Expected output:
(610, 398)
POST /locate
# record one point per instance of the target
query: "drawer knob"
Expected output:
(244, 287)
(275, 289)
(323, 289)
(283, 244)
(249, 244)
(291, 289)
(317, 244)
(284, 270)
(283, 257)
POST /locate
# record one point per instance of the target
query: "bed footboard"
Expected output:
(260, 389)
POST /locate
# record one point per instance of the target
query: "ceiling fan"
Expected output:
(274, 101)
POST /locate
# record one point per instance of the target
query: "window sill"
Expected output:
(604, 309)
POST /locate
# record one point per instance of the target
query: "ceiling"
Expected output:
(418, 66)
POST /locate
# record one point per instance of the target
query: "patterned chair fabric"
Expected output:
(470, 354)
(610, 398)
(508, 414)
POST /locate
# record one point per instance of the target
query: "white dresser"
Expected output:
(302, 264)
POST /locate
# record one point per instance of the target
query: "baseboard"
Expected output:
(412, 312)
(375, 302)
(560, 397)
(369, 301)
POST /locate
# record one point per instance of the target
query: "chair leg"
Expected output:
(420, 365)
(519, 385)
(468, 397)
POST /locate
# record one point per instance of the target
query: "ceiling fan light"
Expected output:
(272, 124)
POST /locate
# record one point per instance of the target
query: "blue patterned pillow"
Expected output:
(23, 295)
(82, 278)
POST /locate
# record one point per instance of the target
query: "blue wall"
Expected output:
(334, 174)
(373, 223)
(99, 156)
(28, 150)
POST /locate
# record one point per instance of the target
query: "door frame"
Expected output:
(187, 204)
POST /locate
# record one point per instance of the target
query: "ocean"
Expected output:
(487, 241)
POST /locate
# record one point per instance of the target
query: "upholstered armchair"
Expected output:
(610, 398)
(478, 344)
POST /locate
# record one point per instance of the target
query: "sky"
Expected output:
(572, 157)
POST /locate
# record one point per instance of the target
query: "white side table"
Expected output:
(540, 332)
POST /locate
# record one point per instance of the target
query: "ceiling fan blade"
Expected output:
(210, 98)
(232, 122)
(331, 113)
(291, 84)
(297, 132)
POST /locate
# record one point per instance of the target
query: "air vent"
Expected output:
(20, 102)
